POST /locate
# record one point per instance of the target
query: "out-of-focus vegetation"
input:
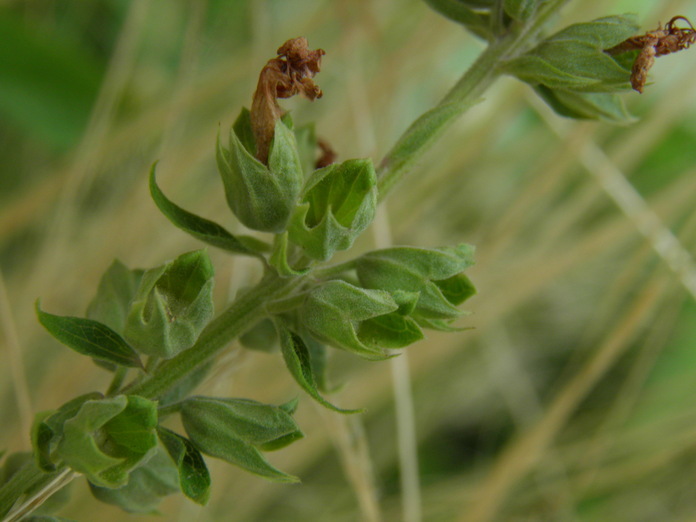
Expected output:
(572, 397)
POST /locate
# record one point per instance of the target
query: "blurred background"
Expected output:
(571, 397)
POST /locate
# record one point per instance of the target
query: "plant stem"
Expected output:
(117, 381)
(250, 307)
(422, 134)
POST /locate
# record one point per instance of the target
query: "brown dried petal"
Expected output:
(289, 74)
(659, 42)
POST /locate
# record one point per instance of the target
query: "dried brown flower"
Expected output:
(282, 77)
(661, 41)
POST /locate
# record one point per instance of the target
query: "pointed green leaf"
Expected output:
(204, 229)
(250, 421)
(298, 361)
(231, 429)
(90, 338)
(194, 478)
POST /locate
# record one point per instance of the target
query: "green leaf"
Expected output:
(338, 203)
(262, 197)
(116, 290)
(235, 429)
(173, 304)
(155, 479)
(332, 312)
(250, 421)
(194, 479)
(90, 338)
(574, 58)
(458, 11)
(203, 229)
(298, 360)
(390, 331)
(586, 105)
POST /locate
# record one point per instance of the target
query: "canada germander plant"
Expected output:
(155, 329)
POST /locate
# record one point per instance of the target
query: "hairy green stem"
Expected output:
(243, 313)
(117, 381)
(422, 134)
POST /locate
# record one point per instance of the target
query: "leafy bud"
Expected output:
(172, 306)
(365, 322)
(433, 275)
(108, 438)
(338, 202)
(261, 196)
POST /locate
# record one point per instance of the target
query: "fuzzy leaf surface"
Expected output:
(235, 430)
(173, 305)
(193, 475)
(332, 312)
(338, 202)
(298, 361)
(262, 197)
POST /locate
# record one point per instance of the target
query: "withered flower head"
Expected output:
(663, 40)
(289, 74)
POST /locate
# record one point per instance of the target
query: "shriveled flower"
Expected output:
(663, 40)
(289, 74)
